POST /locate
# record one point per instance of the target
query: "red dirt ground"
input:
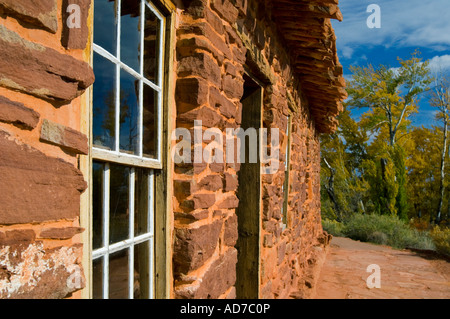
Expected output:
(404, 274)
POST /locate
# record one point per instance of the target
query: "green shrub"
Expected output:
(333, 227)
(398, 233)
(378, 238)
(441, 239)
(380, 229)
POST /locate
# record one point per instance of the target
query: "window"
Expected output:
(127, 134)
(285, 186)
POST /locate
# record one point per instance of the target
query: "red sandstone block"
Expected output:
(226, 10)
(209, 117)
(281, 251)
(211, 183)
(193, 247)
(231, 231)
(64, 137)
(196, 8)
(17, 114)
(232, 36)
(217, 280)
(40, 13)
(35, 187)
(192, 91)
(239, 55)
(17, 237)
(192, 216)
(225, 106)
(268, 240)
(230, 182)
(41, 71)
(60, 233)
(200, 64)
(267, 215)
(215, 21)
(230, 202)
(188, 46)
(205, 29)
(203, 201)
(218, 213)
(233, 87)
(266, 291)
(75, 37)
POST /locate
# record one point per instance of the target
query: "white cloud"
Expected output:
(347, 52)
(440, 63)
(408, 23)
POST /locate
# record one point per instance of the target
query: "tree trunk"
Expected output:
(331, 193)
(391, 130)
(441, 186)
(383, 163)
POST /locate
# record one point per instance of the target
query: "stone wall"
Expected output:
(215, 39)
(210, 58)
(42, 75)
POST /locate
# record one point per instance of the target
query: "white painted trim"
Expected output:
(151, 229)
(126, 159)
(98, 49)
(131, 209)
(133, 161)
(106, 198)
(121, 245)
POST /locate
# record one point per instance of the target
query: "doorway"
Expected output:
(249, 194)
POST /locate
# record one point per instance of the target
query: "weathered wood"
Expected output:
(163, 185)
(248, 211)
(306, 27)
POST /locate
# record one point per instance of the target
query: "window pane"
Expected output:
(141, 271)
(151, 46)
(141, 202)
(118, 275)
(97, 198)
(105, 25)
(129, 113)
(104, 103)
(130, 37)
(118, 210)
(150, 126)
(97, 276)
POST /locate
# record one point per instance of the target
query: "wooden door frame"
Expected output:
(251, 287)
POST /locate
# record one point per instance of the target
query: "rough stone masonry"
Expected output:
(40, 141)
(288, 45)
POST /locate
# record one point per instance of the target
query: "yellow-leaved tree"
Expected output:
(389, 97)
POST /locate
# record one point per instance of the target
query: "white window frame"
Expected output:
(116, 155)
(132, 161)
(108, 249)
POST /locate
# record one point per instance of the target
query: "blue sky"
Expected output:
(406, 25)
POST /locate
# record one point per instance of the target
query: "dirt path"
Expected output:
(404, 274)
